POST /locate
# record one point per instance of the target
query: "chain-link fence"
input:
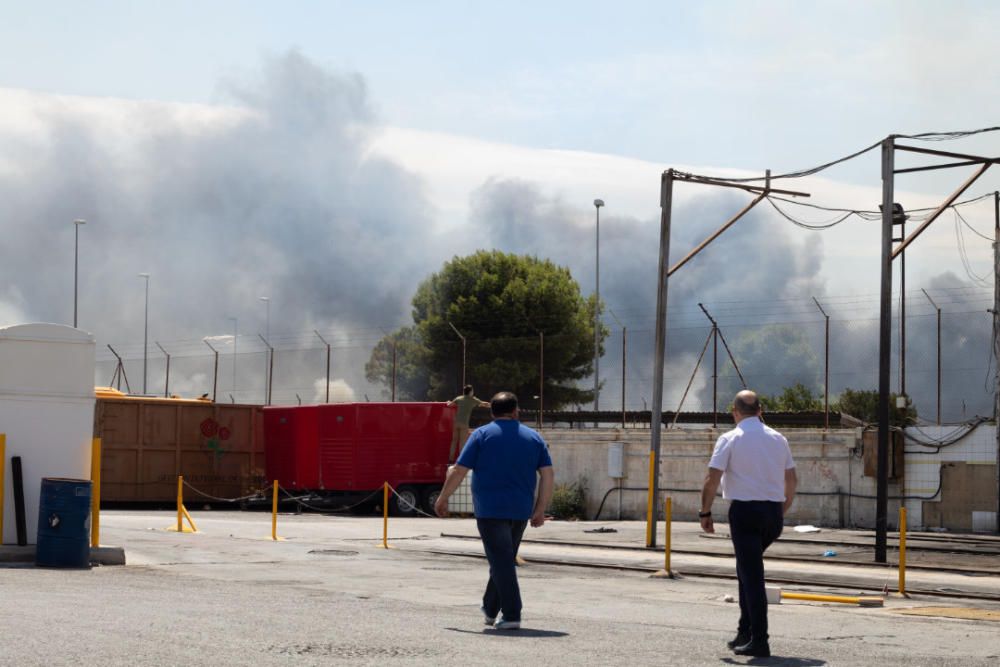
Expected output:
(769, 356)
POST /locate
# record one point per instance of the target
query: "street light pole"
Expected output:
(76, 262)
(145, 335)
(598, 203)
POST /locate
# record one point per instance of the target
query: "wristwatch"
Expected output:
(702, 515)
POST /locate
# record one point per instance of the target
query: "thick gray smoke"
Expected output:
(757, 279)
(278, 195)
(273, 196)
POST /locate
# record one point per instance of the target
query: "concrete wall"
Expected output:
(833, 489)
(954, 486)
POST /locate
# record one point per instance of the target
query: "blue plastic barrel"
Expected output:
(63, 523)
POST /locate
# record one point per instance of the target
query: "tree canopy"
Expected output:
(522, 318)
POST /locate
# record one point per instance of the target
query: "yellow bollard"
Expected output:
(95, 493)
(902, 551)
(650, 523)
(274, 512)
(666, 557)
(385, 516)
(665, 573)
(180, 503)
(3, 470)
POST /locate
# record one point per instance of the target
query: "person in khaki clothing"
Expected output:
(460, 431)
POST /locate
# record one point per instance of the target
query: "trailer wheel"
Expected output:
(431, 494)
(404, 502)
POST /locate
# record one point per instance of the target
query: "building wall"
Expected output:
(833, 489)
(954, 487)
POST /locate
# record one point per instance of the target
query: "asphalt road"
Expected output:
(326, 595)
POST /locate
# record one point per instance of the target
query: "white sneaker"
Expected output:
(487, 619)
(503, 624)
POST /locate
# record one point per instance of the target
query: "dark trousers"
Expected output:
(753, 525)
(501, 539)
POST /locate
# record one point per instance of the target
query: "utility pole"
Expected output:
(166, 381)
(656, 409)
(885, 335)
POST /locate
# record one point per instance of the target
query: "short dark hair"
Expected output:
(503, 403)
(467, 389)
(746, 403)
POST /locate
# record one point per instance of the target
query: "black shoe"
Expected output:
(754, 648)
(739, 640)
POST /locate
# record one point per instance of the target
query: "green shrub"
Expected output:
(569, 501)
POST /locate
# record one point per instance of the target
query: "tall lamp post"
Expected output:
(598, 203)
(267, 335)
(145, 334)
(76, 262)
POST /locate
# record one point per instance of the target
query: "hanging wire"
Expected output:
(923, 136)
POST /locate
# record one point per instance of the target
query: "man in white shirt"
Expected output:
(754, 465)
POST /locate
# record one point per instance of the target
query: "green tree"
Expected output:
(412, 376)
(505, 306)
(797, 398)
(863, 404)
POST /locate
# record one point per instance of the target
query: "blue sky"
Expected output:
(743, 84)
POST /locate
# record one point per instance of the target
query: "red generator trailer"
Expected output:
(344, 452)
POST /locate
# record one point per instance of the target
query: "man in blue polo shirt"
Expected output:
(508, 458)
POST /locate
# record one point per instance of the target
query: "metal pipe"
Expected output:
(708, 180)
(885, 347)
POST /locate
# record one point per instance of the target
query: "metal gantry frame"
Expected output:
(665, 271)
(889, 253)
(889, 146)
